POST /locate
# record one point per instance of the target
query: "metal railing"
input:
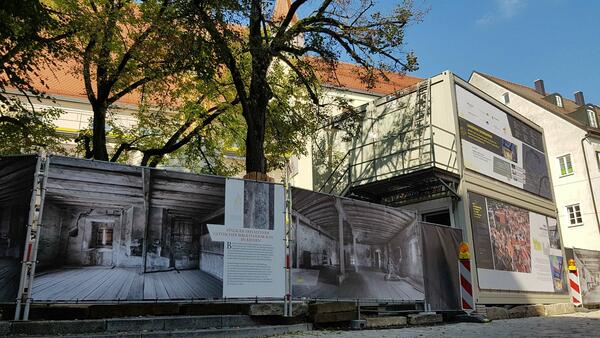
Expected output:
(349, 173)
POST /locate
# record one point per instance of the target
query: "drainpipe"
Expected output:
(587, 169)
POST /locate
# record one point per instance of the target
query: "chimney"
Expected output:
(579, 98)
(539, 87)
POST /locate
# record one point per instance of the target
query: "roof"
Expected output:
(346, 76)
(530, 94)
(66, 80)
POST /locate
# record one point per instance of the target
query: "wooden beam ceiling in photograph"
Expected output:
(78, 182)
(16, 178)
(371, 223)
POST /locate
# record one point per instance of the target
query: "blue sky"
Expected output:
(517, 40)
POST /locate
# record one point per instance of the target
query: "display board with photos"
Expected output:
(115, 233)
(501, 146)
(350, 249)
(195, 237)
(515, 249)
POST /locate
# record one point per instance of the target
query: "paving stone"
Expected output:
(331, 307)
(424, 318)
(537, 310)
(559, 309)
(495, 313)
(518, 312)
(58, 327)
(578, 325)
(334, 317)
(373, 322)
(270, 309)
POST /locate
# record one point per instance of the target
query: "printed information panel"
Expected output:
(501, 146)
(515, 249)
(253, 251)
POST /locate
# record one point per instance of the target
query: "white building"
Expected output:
(573, 144)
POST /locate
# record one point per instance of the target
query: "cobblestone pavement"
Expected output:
(572, 325)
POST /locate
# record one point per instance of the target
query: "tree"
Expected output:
(123, 46)
(333, 29)
(31, 37)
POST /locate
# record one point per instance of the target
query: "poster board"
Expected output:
(253, 256)
(123, 233)
(501, 146)
(515, 249)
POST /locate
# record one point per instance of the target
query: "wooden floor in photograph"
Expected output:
(101, 283)
(362, 284)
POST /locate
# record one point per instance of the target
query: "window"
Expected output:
(592, 118)
(566, 166)
(102, 235)
(574, 214)
(559, 101)
(506, 98)
(598, 159)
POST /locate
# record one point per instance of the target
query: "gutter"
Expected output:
(587, 170)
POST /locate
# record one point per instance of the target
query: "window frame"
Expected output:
(560, 165)
(592, 118)
(574, 215)
(559, 101)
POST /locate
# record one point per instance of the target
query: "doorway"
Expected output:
(441, 217)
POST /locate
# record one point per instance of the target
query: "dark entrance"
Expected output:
(439, 217)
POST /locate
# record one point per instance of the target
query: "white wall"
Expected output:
(561, 137)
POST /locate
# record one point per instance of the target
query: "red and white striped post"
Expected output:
(466, 288)
(574, 285)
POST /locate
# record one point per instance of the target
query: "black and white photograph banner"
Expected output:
(123, 233)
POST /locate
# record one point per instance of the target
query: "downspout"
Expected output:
(587, 170)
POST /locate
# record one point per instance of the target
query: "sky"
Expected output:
(517, 40)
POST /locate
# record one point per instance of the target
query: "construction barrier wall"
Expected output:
(117, 233)
(349, 249)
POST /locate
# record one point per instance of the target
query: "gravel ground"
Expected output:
(572, 325)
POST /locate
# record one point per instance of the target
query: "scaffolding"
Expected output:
(395, 142)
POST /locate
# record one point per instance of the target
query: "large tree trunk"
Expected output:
(260, 94)
(99, 136)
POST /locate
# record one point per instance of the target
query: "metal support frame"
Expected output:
(287, 303)
(34, 225)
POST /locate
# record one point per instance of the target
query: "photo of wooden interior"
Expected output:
(97, 218)
(351, 249)
(16, 181)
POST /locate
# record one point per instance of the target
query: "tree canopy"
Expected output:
(215, 81)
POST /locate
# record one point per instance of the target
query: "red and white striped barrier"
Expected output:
(574, 285)
(466, 288)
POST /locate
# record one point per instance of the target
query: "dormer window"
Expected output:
(506, 98)
(592, 118)
(559, 101)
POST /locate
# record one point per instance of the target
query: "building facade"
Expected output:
(572, 139)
